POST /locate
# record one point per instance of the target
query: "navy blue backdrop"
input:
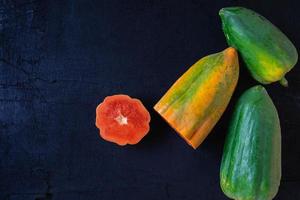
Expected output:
(60, 58)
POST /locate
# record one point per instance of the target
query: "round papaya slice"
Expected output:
(122, 119)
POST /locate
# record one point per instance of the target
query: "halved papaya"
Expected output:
(122, 119)
(197, 100)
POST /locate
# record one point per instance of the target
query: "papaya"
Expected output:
(267, 52)
(122, 119)
(251, 161)
(196, 101)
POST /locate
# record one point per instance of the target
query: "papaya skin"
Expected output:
(251, 162)
(267, 52)
(196, 101)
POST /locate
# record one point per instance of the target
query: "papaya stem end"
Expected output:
(284, 82)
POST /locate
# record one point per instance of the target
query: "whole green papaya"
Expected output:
(251, 162)
(267, 52)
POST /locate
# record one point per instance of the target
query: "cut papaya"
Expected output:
(196, 101)
(122, 120)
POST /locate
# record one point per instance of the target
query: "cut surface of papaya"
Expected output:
(122, 120)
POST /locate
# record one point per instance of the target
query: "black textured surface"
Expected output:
(59, 59)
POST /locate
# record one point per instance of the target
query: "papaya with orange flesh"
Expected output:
(196, 101)
(122, 119)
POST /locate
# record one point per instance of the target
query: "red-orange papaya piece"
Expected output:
(122, 119)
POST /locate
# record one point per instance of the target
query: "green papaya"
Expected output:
(267, 52)
(251, 162)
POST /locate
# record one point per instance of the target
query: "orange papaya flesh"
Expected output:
(122, 119)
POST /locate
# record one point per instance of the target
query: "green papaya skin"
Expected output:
(267, 52)
(251, 162)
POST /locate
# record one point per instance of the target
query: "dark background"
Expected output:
(59, 59)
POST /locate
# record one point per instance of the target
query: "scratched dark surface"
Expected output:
(59, 59)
